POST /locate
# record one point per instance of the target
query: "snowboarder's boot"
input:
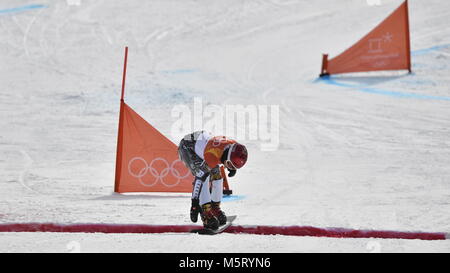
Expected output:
(195, 210)
(219, 213)
(209, 219)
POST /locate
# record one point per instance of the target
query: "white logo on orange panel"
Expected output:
(376, 44)
(158, 175)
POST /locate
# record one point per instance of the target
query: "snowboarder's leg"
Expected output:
(208, 217)
(195, 205)
(216, 198)
(217, 190)
(205, 193)
(197, 166)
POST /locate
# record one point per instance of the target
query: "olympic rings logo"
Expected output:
(157, 174)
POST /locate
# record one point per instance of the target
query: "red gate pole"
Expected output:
(324, 71)
(408, 41)
(124, 73)
(226, 187)
(120, 130)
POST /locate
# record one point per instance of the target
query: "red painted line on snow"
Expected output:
(336, 232)
(93, 228)
(260, 230)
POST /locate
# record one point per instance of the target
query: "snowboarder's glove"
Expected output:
(215, 174)
(200, 168)
(231, 173)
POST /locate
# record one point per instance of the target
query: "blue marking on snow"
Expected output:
(23, 8)
(227, 198)
(428, 50)
(397, 94)
(378, 91)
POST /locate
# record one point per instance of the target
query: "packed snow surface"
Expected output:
(365, 151)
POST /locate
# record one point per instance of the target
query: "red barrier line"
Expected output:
(336, 232)
(259, 230)
(93, 228)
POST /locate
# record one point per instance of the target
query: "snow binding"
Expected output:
(208, 231)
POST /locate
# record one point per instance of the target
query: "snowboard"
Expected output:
(207, 231)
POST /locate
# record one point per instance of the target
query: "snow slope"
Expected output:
(348, 157)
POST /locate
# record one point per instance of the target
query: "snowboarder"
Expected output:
(203, 154)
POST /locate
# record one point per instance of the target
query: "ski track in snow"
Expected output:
(346, 159)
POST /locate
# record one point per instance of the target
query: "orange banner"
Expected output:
(387, 47)
(147, 161)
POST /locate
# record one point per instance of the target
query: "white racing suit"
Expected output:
(190, 152)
